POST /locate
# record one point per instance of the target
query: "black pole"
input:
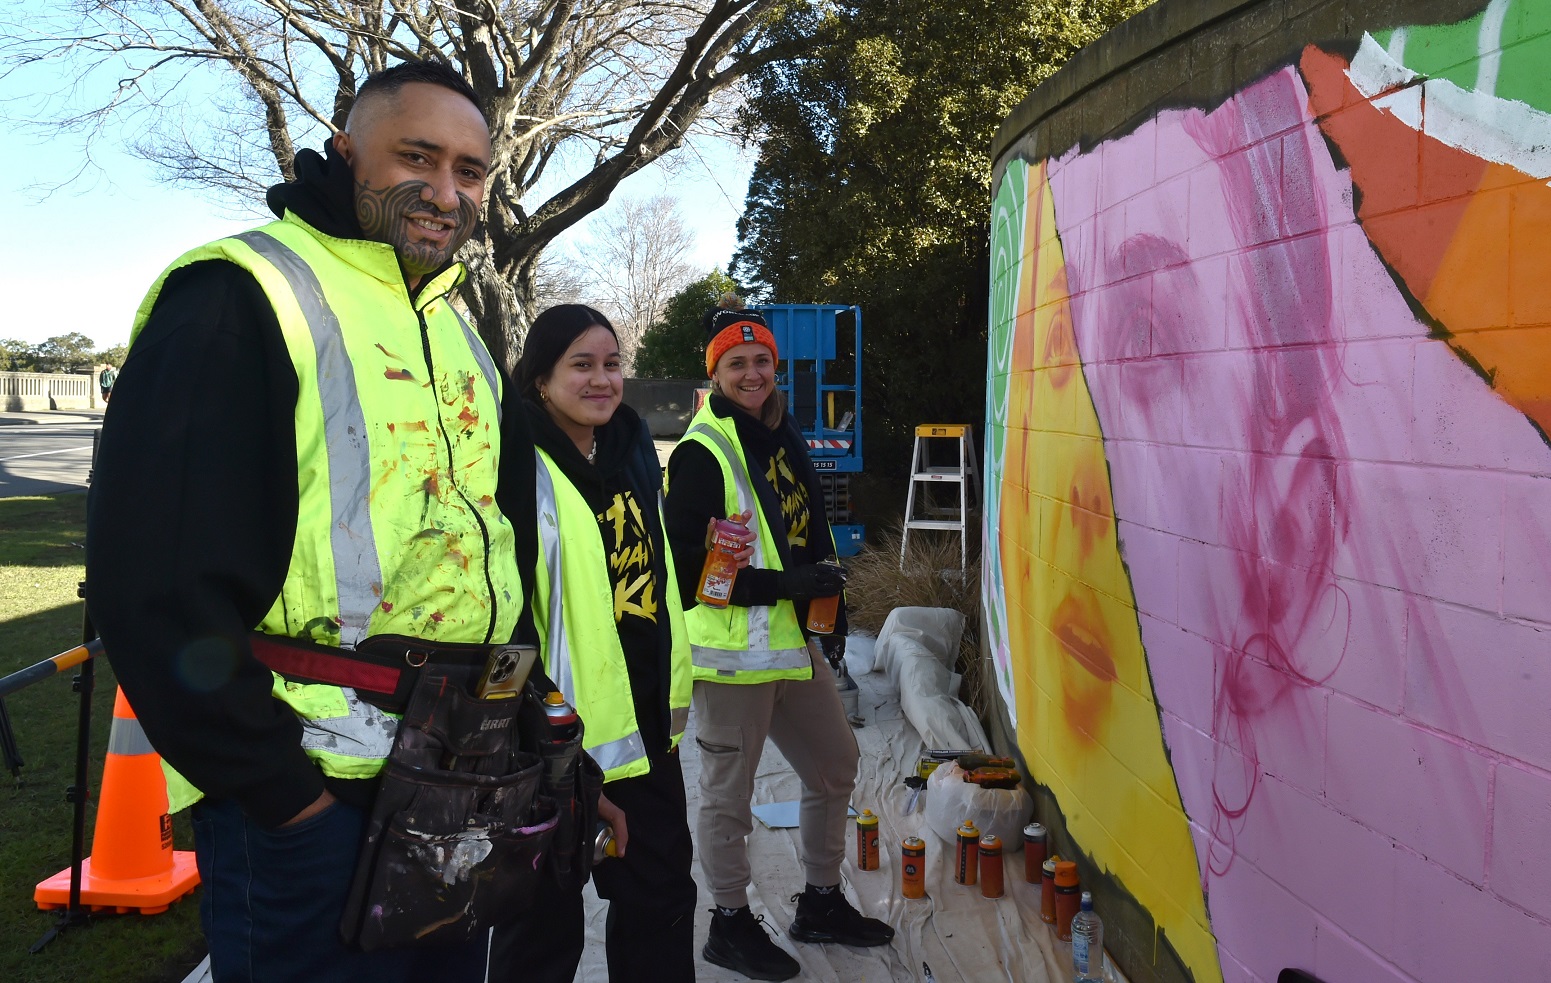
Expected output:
(79, 793)
(9, 749)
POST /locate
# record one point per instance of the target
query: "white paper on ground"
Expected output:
(783, 815)
(963, 936)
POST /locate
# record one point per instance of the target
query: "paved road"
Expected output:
(45, 458)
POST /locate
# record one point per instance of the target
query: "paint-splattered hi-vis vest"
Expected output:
(397, 445)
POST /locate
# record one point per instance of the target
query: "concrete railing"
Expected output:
(33, 391)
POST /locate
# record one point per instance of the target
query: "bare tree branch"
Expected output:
(617, 82)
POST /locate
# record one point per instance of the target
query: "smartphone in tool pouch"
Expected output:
(465, 816)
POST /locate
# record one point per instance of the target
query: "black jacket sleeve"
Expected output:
(695, 496)
(190, 523)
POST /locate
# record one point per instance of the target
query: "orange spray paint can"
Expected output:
(991, 866)
(1068, 897)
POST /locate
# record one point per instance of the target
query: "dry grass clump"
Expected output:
(930, 578)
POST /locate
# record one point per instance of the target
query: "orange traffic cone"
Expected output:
(133, 866)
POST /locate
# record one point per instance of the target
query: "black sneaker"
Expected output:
(739, 942)
(830, 918)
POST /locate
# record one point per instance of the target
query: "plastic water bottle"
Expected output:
(1087, 944)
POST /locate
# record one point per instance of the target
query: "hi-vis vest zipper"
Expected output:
(736, 644)
(397, 445)
(582, 652)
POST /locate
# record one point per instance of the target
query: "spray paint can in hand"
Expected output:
(822, 611)
(866, 841)
(603, 844)
(967, 863)
(991, 866)
(912, 869)
(721, 564)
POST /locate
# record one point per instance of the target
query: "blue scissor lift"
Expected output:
(821, 374)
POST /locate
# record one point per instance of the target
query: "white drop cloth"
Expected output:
(961, 935)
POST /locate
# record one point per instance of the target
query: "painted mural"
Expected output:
(1268, 532)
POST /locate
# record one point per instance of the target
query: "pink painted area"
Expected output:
(1418, 787)
(1481, 678)
(1521, 839)
(1445, 927)
(1247, 903)
(1526, 547)
(1338, 956)
(1339, 540)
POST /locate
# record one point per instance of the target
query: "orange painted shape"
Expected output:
(1385, 156)
(1474, 254)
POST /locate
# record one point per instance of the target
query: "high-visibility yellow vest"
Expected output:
(735, 644)
(582, 651)
(397, 447)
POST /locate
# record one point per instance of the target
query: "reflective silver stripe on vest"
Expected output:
(678, 719)
(734, 660)
(357, 568)
(482, 356)
(617, 754)
(759, 614)
(363, 732)
(127, 737)
(557, 657)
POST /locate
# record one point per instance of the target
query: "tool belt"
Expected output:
(478, 800)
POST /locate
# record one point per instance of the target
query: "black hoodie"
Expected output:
(192, 515)
(625, 462)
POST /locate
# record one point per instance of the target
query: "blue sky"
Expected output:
(90, 250)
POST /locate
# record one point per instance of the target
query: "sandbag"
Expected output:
(950, 800)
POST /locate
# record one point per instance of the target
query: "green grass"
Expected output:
(41, 557)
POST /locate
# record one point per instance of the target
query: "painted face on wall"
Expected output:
(1266, 395)
(419, 157)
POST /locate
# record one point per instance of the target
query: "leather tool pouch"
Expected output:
(463, 819)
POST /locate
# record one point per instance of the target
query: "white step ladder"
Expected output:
(939, 516)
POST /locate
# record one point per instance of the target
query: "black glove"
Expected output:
(803, 583)
(834, 647)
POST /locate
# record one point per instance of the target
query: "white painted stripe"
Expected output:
(83, 447)
(1500, 130)
(1397, 44)
(357, 567)
(1489, 46)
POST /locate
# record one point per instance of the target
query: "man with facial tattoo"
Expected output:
(304, 443)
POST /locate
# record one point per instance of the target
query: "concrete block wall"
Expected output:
(1268, 544)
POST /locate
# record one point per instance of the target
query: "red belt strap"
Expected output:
(317, 664)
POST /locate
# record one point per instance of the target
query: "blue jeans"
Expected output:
(272, 900)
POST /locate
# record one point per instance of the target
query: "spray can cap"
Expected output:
(554, 698)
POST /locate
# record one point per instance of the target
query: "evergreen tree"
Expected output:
(873, 184)
(674, 347)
